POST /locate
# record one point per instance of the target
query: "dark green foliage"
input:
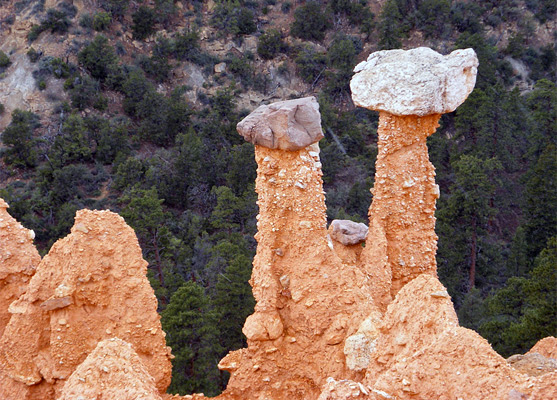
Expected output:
(99, 58)
(433, 16)
(144, 20)
(230, 17)
(2, 108)
(542, 9)
(343, 52)
(192, 332)
(162, 118)
(234, 301)
(110, 138)
(241, 67)
(129, 173)
(462, 224)
(164, 9)
(143, 211)
(4, 61)
(270, 44)
(56, 21)
(390, 28)
(540, 200)
(84, 90)
(311, 21)
(116, 7)
(72, 144)
(19, 140)
(246, 21)
(310, 63)
(155, 67)
(186, 45)
(101, 21)
(466, 17)
(525, 310)
(73, 181)
(135, 87)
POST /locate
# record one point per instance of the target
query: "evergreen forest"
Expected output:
(124, 136)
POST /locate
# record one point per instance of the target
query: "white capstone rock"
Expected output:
(286, 125)
(414, 82)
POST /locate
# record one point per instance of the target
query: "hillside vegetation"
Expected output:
(142, 104)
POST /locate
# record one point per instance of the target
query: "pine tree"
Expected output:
(192, 333)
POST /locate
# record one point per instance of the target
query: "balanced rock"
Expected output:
(91, 286)
(286, 125)
(414, 82)
(113, 371)
(348, 232)
(18, 261)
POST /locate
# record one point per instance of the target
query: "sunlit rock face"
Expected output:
(91, 286)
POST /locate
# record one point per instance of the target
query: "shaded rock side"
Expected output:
(401, 243)
(308, 301)
(532, 364)
(112, 371)
(18, 261)
(91, 286)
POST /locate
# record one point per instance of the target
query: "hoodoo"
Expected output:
(410, 89)
(345, 313)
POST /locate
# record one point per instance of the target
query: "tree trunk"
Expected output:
(473, 249)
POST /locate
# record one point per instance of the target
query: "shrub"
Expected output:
(286, 7)
(310, 22)
(186, 45)
(99, 58)
(56, 20)
(310, 63)
(270, 44)
(19, 141)
(246, 23)
(33, 55)
(2, 108)
(116, 7)
(241, 68)
(86, 21)
(230, 17)
(101, 21)
(4, 61)
(143, 23)
(343, 52)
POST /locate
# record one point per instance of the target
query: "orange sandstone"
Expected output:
(113, 371)
(91, 286)
(18, 261)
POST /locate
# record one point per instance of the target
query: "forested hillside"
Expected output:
(142, 101)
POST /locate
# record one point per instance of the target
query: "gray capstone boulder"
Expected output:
(286, 125)
(414, 82)
(348, 232)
